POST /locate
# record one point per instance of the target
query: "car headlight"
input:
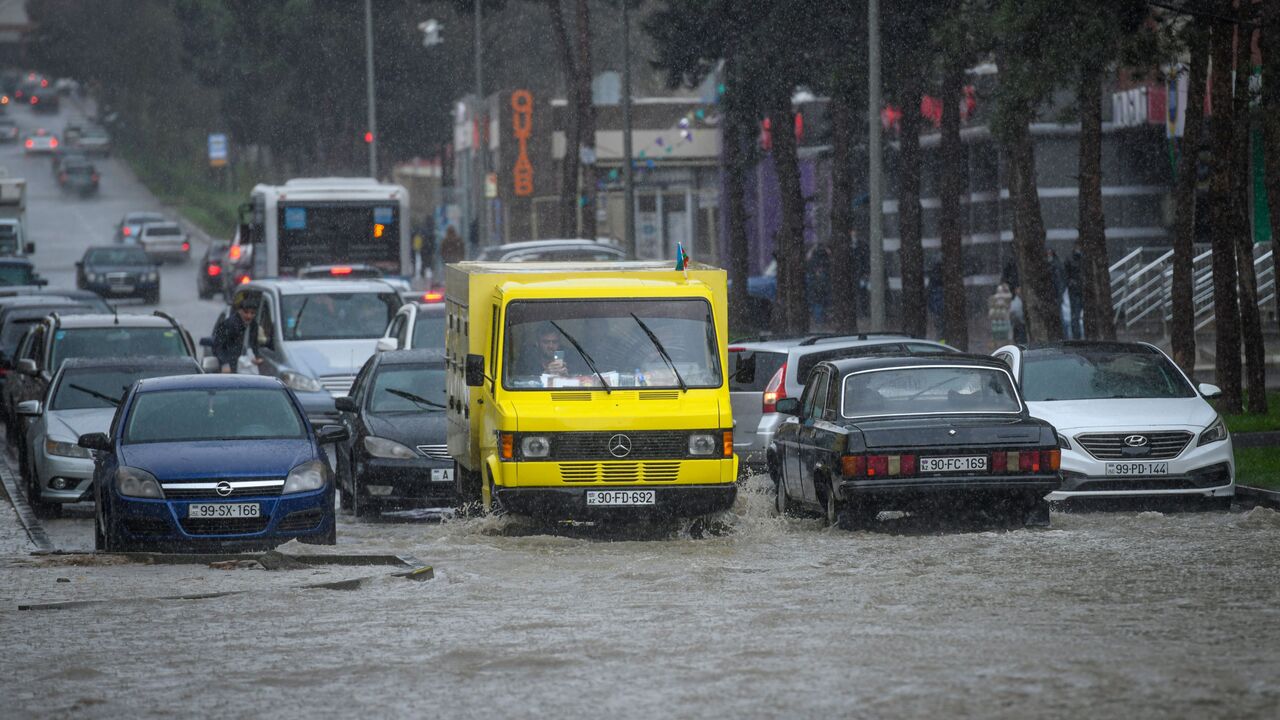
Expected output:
(1064, 443)
(1216, 432)
(307, 476)
(152, 277)
(384, 448)
(133, 482)
(95, 278)
(65, 449)
(300, 382)
(702, 444)
(535, 446)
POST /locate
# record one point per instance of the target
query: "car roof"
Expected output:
(39, 310)
(1108, 345)
(180, 363)
(209, 381)
(160, 223)
(136, 215)
(809, 343)
(91, 320)
(302, 286)
(879, 362)
(435, 308)
(417, 356)
(116, 246)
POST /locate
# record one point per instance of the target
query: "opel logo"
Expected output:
(223, 488)
(1136, 440)
(619, 446)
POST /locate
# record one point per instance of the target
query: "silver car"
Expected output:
(81, 399)
(418, 325)
(763, 371)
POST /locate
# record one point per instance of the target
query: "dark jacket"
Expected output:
(228, 339)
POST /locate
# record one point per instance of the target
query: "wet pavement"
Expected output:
(1144, 614)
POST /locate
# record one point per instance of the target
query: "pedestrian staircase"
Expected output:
(1142, 288)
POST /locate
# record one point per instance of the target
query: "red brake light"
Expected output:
(234, 252)
(31, 143)
(4, 99)
(340, 270)
(53, 142)
(1029, 461)
(432, 296)
(34, 99)
(243, 279)
(126, 231)
(44, 82)
(877, 465)
(775, 390)
(999, 461)
(186, 246)
(737, 349)
(214, 270)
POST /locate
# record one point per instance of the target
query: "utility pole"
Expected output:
(628, 177)
(368, 79)
(876, 204)
(481, 140)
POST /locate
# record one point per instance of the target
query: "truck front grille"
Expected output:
(618, 472)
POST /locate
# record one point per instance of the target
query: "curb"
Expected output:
(1259, 496)
(1256, 439)
(25, 514)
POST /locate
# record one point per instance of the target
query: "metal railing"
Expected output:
(1142, 285)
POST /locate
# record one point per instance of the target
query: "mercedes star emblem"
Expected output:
(1136, 440)
(619, 445)
(224, 488)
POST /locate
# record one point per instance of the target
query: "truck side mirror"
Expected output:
(475, 370)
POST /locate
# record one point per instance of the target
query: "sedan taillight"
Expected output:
(877, 465)
(1026, 461)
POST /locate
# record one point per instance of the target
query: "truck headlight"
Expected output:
(307, 476)
(702, 444)
(301, 383)
(384, 448)
(134, 482)
(1216, 432)
(535, 446)
(65, 449)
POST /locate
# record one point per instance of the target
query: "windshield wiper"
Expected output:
(661, 351)
(415, 399)
(298, 315)
(95, 393)
(591, 364)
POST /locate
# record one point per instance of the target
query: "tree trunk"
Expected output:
(1255, 353)
(569, 165)
(1099, 314)
(1226, 312)
(1270, 44)
(844, 311)
(911, 251)
(1182, 331)
(1042, 309)
(955, 313)
(739, 253)
(790, 241)
(587, 122)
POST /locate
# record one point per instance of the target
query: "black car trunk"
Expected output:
(977, 432)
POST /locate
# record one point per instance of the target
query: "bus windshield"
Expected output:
(338, 232)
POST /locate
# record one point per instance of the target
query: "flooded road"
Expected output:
(1105, 614)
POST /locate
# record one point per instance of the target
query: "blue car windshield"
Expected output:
(213, 414)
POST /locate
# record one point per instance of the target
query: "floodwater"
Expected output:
(1105, 614)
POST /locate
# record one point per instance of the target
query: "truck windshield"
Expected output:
(16, 275)
(554, 343)
(337, 316)
(324, 233)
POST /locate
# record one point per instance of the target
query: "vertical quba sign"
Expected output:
(522, 128)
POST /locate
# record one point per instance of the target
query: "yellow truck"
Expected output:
(588, 391)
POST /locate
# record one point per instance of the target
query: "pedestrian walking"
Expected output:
(451, 248)
(1059, 277)
(1075, 292)
(419, 261)
(229, 333)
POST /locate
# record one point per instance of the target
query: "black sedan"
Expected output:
(396, 455)
(119, 271)
(209, 271)
(919, 434)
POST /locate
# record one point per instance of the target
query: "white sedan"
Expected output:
(1129, 421)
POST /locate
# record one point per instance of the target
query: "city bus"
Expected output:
(322, 221)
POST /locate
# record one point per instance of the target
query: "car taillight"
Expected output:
(126, 231)
(34, 100)
(877, 465)
(340, 270)
(214, 270)
(1026, 461)
(775, 390)
(432, 296)
(30, 143)
(53, 142)
(185, 246)
(243, 279)
(234, 252)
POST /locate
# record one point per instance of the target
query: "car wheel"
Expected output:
(360, 507)
(782, 503)
(1036, 513)
(492, 505)
(42, 508)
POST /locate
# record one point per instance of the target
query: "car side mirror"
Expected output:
(206, 342)
(39, 281)
(27, 366)
(386, 344)
(29, 407)
(330, 434)
(210, 364)
(788, 406)
(29, 248)
(1210, 391)
(475, 370)
(95, 441)
(346, 404)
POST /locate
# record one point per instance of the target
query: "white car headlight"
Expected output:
(307, 476)
(702, 444)
(384, 448)
(1216, 432)
(535, 446)
(300, 382)
(65, 449)
(133, 482)
(1064, 443)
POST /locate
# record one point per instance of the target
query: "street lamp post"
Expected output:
(481, 203)
(875, 205)
(368, 78)
(628, 177)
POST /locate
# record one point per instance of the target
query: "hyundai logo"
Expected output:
(1135, 441)
(619, 446)
(223, 488)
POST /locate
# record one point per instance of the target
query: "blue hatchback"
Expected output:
(211, 461)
